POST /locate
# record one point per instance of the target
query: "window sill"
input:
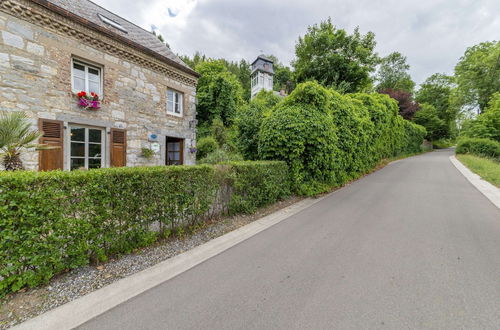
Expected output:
(173, 114)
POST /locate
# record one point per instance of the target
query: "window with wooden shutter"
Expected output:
(51, 159)
(118, 147)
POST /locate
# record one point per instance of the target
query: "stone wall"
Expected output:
(35, 77)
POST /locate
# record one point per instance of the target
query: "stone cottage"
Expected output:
(139, 103)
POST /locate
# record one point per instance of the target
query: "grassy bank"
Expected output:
(487, 169)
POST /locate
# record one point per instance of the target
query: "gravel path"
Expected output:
(21, 306)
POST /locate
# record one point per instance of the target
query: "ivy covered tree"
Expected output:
(219, 93)
(478, 75)
(249, 120)
(335, 58)
(407, 106)
(301, 132)
(393, 73)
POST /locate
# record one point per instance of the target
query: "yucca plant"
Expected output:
(16, 136)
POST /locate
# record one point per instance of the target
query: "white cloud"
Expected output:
(433, 34)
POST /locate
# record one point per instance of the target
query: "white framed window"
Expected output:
(86, 77)
(86, 147)
(174, 102)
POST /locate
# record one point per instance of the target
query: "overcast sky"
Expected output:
(433, 34)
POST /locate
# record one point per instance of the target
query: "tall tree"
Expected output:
(407, 106)
(283, 76)
(393, 73)
(335, 58)
(478, 75)
(428, 117)
(219, 93)
(437, 91)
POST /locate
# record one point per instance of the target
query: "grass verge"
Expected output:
(487, 169)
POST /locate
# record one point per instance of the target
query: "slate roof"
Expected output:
(258, 65)
(137, 36)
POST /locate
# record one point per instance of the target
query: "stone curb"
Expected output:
(487, 189)
(83, 309)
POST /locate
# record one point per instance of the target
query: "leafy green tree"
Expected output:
(437, 90)
(487, 124)
(478, 75)
(16, 136)
(219, 93)
(335, 58)
(283, 76)
(393, 73)
(249, 120)
(428, 117)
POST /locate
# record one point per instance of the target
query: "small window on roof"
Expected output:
(112, 23)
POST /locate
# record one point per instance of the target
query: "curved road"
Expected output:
(413, 245)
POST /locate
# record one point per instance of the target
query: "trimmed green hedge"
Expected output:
(328, 138)
(54, 221)
(480, 147)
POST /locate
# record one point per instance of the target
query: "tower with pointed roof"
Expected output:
(262, 75)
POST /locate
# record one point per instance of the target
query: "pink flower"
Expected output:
(95, 104)
(83, 102)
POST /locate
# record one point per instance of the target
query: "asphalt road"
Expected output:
(413, 245)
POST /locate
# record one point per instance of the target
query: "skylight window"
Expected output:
(112, 23)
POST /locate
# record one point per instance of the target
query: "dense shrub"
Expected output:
(328, 138)
(428, 117)
(487, 124)
(480, 147)
(305, 137)
(54, 221)
(205, 145)
(220, 155)
(249, 120)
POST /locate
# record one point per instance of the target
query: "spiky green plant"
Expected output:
(16, 136)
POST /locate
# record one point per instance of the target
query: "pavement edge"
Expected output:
(487, 189)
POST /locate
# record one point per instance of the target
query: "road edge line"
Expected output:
(85, 308)
(487, 189)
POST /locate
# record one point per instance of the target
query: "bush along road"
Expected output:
(413, 245)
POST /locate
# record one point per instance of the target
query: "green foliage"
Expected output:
(16, 136)
(304, 136)
(249, 120)
(219, 93)
(443, 143)
(487, 124)
(328, 138)
(487, 169)
(240, 69)
(478, 75)
(220, 155)
(428, 117)
(437, 90)
(283, 76)
(480, 147)
(334, 58)
(147, 153)
(205, 146)
(393, 73)
(54, 221)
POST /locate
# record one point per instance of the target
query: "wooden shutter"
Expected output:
(51, 159)
(118, 147)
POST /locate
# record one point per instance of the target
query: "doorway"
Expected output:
(175, 151)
